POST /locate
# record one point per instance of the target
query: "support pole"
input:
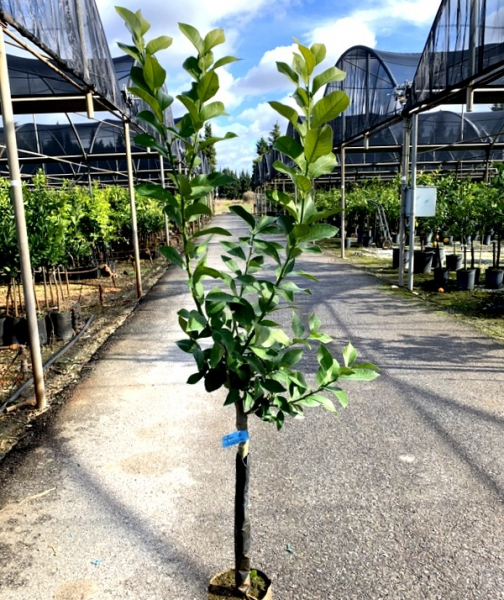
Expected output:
(19, 213)
(404, 192)
(166, 222)
(343, 201)
(414, 156)
(134, 230)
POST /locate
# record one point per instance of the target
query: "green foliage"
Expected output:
(232, 331)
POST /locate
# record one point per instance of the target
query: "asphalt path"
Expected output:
(129, 494)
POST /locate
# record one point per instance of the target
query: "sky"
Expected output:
(259, 33)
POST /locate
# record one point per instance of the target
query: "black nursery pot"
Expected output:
(494, 278)
(454, 261)
(395, 257)
(60, 325)
(466, 279)
(422, 261)
(441, 276)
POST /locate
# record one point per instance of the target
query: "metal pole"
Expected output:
(166, 222)
(134, 230)
(19, 213)
(414, 155)
(343, 201)
(404, 191)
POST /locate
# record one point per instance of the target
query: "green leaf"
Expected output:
(324, 357)
(360, 375)
(286, 111)
(309, 58)
(288, 146)
(208, 86)
(288, 71)
(212, 110)
(322, 166)
(319, 232)
(328, 76)
(213, 38)
(187, 345)
(319, 52)
(292, 357)
(318, 143)
(329, 107)
(243, 313)
(297, 325)
(234, 249)
(172, 255)
(197, 209)
(212, 230)
(281, 168)
(149, 99)
(195, 377)
(160, 43)
(135, 23)
(349, 355)
(149, 117)
(154, 190)
(314, 322)
(239, 211)
(273, 386)
(192, 109)
(215, 379)
(325, 402)
(193, 35)
(299, 65)
(130, 50)
(225, 60)
(340, 394)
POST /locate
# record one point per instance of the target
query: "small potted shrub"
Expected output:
(231, 330)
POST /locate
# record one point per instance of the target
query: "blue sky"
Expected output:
(260, 32)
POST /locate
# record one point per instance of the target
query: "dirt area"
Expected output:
(109, 301)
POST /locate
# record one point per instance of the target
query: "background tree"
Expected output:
(262, 148)
(273, 136)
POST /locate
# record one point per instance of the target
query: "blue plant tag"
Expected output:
(237, 437)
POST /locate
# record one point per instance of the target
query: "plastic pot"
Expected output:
(437, 261)
(395, 257)
(4, 335)
(423, 261)
(61, 325)
(454, 261)
(465, 279)
(348, 242)
(494, 278)
(441, 276)
(367, 241)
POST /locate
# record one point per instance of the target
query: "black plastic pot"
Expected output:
(395, 257)
(423, 261)
(465, 279)
(18, 330)
(438, 259)
(454, 261)
(441, 276)
(60, 324)
(487, 239)
(348, 242)
(4, 336)
(494, 278)
(477, 275)
(42, 330)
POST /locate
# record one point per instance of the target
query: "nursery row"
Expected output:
(463, 208)
(71, 225)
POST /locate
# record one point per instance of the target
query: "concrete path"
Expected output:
(399, 497)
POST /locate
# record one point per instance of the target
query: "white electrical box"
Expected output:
(425, 202)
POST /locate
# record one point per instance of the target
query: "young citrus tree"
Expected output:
(231, 330)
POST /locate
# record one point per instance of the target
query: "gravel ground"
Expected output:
(128, 494)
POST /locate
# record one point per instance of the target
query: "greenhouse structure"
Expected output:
(54, 59)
